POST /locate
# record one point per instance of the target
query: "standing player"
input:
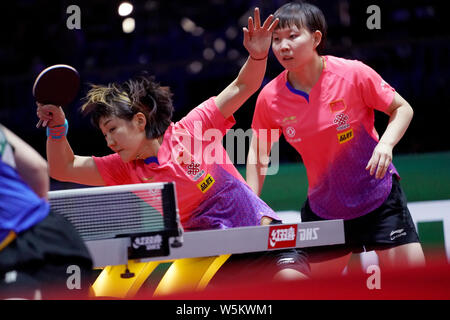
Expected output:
(324, 105)
(36, 245)
(135, 118)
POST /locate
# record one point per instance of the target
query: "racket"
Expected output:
(57, 85)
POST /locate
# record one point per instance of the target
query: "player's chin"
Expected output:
(291, 65)
(288, 65)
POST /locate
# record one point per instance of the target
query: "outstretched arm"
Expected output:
(257, 40)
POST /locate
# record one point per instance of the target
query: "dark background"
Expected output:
(410, 51)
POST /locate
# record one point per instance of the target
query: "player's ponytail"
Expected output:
(154, 101)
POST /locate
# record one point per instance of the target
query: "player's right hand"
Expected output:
(54, 115)
(257, 38)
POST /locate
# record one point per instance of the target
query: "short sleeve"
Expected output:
(206, 116)
(263, 125)
(375, 92)
(6, 151)
(113, 170)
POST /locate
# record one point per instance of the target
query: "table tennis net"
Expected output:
(109, 212)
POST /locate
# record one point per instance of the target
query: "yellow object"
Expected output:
(110, 282)
(8, 239)
(189, 274)
(211, 271)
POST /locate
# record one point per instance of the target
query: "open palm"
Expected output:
(257, 38)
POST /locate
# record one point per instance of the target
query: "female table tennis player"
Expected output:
(135, 118)
(324, 106)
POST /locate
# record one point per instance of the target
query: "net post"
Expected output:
(171, 219)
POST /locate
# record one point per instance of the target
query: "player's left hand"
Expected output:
(257, 38)
(380, 160)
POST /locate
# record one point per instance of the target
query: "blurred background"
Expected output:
(195, 47)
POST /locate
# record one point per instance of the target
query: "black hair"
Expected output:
(140, 94)
(303, 15)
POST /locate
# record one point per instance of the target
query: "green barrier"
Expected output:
(424, 177)
(432, 238)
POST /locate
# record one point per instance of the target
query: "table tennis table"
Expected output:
(130, 229)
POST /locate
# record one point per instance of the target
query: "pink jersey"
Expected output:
(333, 130)
(211, 194)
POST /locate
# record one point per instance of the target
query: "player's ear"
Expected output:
(317, 38)
(140, 120)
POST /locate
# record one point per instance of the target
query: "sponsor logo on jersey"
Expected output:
(193, 168)
(290, 132)
(341, 121)
(199, 175)
(345, 136)
(294, 140)
(289, 120)
(282, 236)
(206, 183)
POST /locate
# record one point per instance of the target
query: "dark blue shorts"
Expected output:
(388, 226)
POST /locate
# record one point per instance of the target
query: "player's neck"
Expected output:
(150, 148)
(307, 76)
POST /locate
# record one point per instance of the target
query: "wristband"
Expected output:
(57, 132)
(259, 59)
